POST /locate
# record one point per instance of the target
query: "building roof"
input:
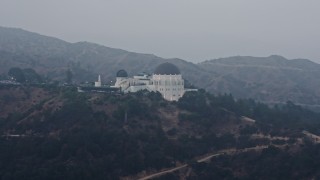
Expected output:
(122, 73)
(167, 69)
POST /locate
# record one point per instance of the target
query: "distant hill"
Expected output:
(271, 79)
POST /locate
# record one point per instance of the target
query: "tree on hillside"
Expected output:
(69, 76)
(17, 74)
(32, 76)
(27, 75)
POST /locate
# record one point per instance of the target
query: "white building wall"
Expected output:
(138, 88)
(123, 83)
(170, 86)
(97, 84)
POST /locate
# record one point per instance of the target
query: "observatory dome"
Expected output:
(122, 73)
(167, 69)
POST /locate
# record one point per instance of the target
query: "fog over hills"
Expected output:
(268, 79)
(272, 79)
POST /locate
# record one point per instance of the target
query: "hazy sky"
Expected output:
(194, 30)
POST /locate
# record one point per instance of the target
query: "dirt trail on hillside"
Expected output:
(203, 159)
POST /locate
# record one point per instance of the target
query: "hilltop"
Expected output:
(272, 79)
(53, 132)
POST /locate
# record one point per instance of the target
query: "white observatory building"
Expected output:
(166, 79)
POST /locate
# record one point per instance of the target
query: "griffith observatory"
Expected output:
(166, 79)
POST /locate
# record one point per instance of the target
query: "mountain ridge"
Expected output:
(267, 79)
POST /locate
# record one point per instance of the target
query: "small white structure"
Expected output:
(98, 83)
(166, 79)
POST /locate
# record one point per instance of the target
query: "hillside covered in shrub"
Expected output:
(51, 132)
